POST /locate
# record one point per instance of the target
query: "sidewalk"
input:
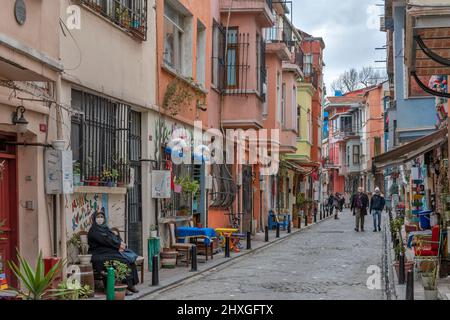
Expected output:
(171, 277)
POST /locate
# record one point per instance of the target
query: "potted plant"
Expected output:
(85, 257)
(429, 282)
(106, 178)
(36, 283)
(93, 179)
(183, 211)
(72, 290)
(76, 173)
(121, 271)
(73, 245)
(190, 188)
(114, 177)
(153, 231)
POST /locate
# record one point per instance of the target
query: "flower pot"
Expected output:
(120, 291)
(110, 184)
(431, 294)
(93, 181)
(85, 259)
(409, 265)
(76, 179)
(428, 281)
(154, 234)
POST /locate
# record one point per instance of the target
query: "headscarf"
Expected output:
(96, 227)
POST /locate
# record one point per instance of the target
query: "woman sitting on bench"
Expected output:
(105, 245)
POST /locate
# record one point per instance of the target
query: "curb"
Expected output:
(229, 261)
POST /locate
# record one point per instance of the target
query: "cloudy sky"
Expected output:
(350, 29)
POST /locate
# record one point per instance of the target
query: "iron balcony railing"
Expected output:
(281, 32)
(270, 4)
(132, 17)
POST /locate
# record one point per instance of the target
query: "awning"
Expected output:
(410, 150)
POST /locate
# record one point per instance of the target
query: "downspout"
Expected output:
(60, 197)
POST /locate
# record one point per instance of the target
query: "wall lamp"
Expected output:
(19, 120)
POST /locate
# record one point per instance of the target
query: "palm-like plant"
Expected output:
(36, 283)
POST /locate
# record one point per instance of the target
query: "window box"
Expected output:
(99, 189)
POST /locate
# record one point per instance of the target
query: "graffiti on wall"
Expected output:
(83, 207)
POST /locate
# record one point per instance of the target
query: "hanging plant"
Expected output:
(189, 187)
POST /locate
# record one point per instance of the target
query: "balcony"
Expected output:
(279, 39)
(261, 8)
(132, 18)
(342, 135)
(288, 141)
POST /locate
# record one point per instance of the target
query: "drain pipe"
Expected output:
(59, 144)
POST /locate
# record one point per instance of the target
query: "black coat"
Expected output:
(377, 203)
(364, 201)
(104, 246)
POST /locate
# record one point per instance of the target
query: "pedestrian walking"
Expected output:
(336, 205)
(341, 202)
(330, 204)
(359, 204)
(377, 204)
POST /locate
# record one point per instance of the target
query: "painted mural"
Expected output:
(81, 206)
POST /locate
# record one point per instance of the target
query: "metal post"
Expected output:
(266, 234)
(194, 258)
(155, 270)
(315, 216)
(278, 229)
(249, 240)
(289, 227)
(410, 285)
(227, 247)
(321, 212)
(401, 269)
(306, 220)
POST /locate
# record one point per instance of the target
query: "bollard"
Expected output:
(110, 291)
(315, 217)
(306, 220)
(155, 271)
(249, 240)
(194, 258)
(410, 285)
(289, 227)
(321, 212)
(278, 230)
(401, 269)
(299, 222)
(227, 247)
(266, 234)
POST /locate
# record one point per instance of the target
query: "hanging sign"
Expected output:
(161, 181)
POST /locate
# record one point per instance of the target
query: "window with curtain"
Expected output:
(173, 37)
(233, 58)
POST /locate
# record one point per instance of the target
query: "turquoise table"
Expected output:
(154, 247)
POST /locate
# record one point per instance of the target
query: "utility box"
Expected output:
(58, 171)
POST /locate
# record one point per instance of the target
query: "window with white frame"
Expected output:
(294, 109)
(356, 154)
(201, 53)
(218, 56)
(283, 105)
(308, 61)
(278, 97)
(173, 37)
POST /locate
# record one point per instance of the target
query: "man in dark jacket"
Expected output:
(359, 204)
(377, 204)
(330, 204)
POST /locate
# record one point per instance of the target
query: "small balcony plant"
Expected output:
(76, 173)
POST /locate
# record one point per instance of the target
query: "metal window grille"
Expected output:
(128, 14)
(223, 191)
(100, 136)
(262, 69)
(237, 58)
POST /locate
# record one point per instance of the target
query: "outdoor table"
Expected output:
(206, 233)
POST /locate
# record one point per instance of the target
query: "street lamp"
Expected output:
(19, 120)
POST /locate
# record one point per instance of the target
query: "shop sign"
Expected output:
(161, 184)
(20, 11)
(58, 171)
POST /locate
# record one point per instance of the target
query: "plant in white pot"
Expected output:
(153, 231)
(73, 251)
(429, 282)
(84, 256)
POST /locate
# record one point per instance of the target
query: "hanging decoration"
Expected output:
(440, 84)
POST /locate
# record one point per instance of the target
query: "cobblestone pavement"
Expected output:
(327, 261)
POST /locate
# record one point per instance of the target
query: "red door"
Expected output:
(8, 211)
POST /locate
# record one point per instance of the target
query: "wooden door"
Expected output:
(8, 212)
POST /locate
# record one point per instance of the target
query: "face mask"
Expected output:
(100, 221)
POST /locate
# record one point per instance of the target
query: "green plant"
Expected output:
(121, 270)
(72, 290)
(189, 187)
(75, 241)
(153, 227)
(300, 200)
(36, 282)
(396, 225)
(76, 167)
(114, 174)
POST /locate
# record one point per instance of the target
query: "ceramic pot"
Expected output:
(85, 259)
(120, 291)
(153, 234)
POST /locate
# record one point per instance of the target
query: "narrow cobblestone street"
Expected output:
(327, 261)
